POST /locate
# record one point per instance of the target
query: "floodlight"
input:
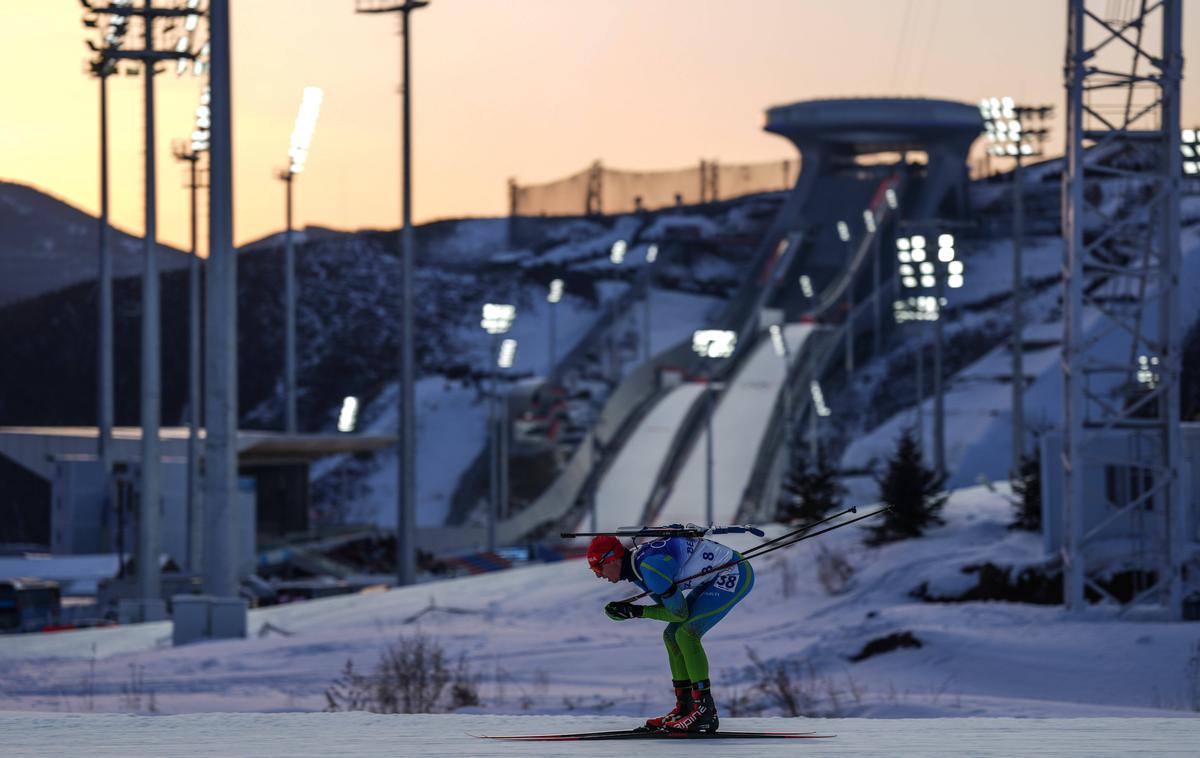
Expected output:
(902, 243)
(904, 256)
(1191, 168)
(869, 221)
(556, 291)
(508, 351)
(954, 281)
(1188, 151)
(945, 254)
(1189, 135)
(945, 240)
(918, 242)
(806, 285)
(918, 255)
(714, 343)
(306, 122)
(818, 397)
(616, 254)
(890, 195)
(843, 231)
(651, 253)
(348, 415)
(1026, 149)
(955, 267)
(498, 317)
(906, 270)
(777, 340)
(1012, 150)
(928, 281)
(926, 268)
(910, 281)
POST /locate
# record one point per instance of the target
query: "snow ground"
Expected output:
(364, 735)
(533, 638)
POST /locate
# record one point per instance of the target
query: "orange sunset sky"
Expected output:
(534, 89)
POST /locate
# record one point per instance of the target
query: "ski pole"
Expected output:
(760, 552)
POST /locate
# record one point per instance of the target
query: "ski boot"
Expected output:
(683, 704)
(701, 717)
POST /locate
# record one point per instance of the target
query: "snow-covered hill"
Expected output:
(48, 245)
(538, 642)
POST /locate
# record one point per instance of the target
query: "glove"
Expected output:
(623, 611)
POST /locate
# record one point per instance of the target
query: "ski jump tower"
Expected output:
(831, 134)
(1122, 446)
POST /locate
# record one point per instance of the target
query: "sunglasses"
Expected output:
(599, 562)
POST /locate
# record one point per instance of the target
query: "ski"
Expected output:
(644, 734)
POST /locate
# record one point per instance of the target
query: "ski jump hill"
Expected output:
(820, 277)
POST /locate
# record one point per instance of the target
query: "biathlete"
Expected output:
(656, 567)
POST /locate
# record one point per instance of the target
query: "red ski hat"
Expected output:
(604, 549)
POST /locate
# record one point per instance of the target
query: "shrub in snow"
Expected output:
(809, 491)
(887, 644)
(834, 571)
(1027, 485)
(411, 676)
(913, 492)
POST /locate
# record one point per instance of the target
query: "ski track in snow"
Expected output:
(364, 736)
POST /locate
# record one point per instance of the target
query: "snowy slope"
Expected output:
(536, 636)
(740, 420)
(627, 485)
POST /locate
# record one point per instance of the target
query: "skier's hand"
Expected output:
(623, 611)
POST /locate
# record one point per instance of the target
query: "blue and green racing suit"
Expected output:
(708, 599)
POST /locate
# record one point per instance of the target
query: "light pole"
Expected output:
(102, 68)
(921, 272)
(504, 361)
(553, 297)
(150, 605)
(406, 521)
(302, 132)
(190, 152)
(1016, 132)
(496, 319)
(713, 344)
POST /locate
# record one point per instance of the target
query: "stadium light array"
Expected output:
(1147, 371)
(806, 285)
(202, 135)
(306, 123)
(1189, 145)
(617, 253)
(714, 343)
(869, 220)
(556, 291)
(890, 196)
(1013, 130)
(498, 317)
(917, 270)
(651, 253)
(843, 230)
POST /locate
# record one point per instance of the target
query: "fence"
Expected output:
(597, 189)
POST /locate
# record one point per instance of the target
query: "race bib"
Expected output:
(727, 582)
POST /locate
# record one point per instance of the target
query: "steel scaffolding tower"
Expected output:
(1121, 296)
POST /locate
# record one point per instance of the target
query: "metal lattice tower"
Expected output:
(1121, 346)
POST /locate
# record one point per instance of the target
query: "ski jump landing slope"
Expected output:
(743, 412)
(629, 481)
